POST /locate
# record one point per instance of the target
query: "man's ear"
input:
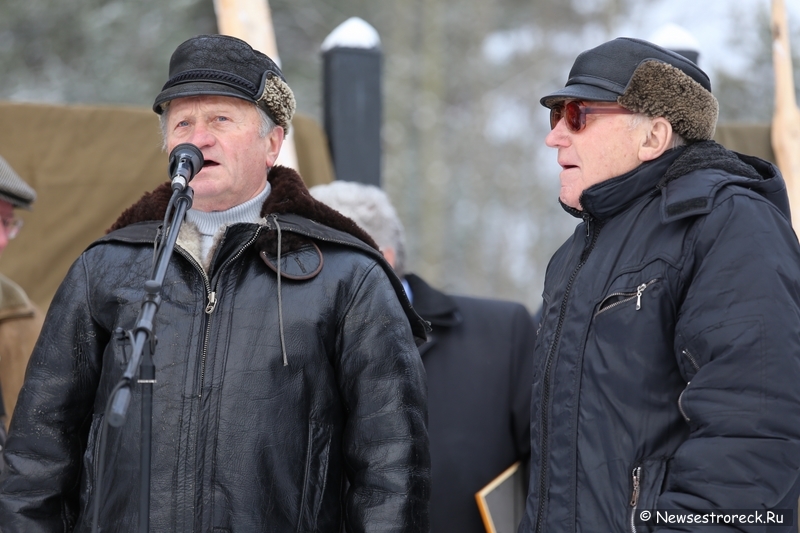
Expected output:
(274, 141)
(658, 140)
(389, 254)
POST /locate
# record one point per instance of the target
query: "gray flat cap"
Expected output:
(13, 189)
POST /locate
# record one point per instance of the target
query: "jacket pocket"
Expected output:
(91, 463)
(620, 298)
(647, 479)
(316, 474)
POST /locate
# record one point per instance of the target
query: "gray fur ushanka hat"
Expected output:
(221, 65)
(647, 79)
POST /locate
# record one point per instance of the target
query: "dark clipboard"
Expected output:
(502, 501)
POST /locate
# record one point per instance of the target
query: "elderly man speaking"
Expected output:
(667, 366)
(289, 393)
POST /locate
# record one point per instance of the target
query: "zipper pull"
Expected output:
(639, 290)
(680, 405)
(637, 472)
(212, 302)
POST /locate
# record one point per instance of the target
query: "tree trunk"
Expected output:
(251, 21)
(786, 120)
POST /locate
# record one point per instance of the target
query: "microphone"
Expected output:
(185, 161)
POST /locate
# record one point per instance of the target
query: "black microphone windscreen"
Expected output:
(185, 154)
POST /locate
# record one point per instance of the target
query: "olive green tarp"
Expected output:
(87, 165)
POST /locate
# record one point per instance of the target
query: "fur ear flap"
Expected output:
(657, 89)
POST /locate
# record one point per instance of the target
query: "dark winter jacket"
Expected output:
(478, 359)
(668, 362)
(297, 406)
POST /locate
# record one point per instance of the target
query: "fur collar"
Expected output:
(706, 155)
(289, 195)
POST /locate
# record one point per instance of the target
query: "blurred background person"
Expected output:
(478, 363)
(20, 320)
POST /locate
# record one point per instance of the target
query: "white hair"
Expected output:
(638, 118)
(267, 124)
(370, 208)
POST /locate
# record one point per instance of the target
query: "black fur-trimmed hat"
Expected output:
(644, 78)
(222, 65)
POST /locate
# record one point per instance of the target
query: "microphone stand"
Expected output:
(143, 341)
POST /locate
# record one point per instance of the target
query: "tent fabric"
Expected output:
(750, 139)
(87, 164)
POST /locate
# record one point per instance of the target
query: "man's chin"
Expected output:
(571, 201)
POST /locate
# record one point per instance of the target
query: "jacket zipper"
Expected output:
(637, 478)
(212, 301)
(592, 233)
(691, 359)
(211, 296)
(628, 296)
(680, 405)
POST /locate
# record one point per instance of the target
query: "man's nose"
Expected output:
(557, 136)
(202, 136)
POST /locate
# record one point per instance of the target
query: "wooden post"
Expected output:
(786, 120)
(251, 21)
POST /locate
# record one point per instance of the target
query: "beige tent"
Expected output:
(87, 165)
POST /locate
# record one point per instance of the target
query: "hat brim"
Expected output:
(16, 201)
(197, 88)
(579, 91)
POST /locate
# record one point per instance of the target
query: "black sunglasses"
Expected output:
(574, 114)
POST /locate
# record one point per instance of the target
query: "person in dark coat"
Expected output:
(289, 394)
(479, 367)
(666, 393)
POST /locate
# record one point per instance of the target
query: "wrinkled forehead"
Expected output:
(209, 103)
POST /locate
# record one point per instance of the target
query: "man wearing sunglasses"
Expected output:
(668, 360)
(20, 320)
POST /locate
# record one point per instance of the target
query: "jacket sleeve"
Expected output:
(39, 491)
(382, 382)
(737, 340)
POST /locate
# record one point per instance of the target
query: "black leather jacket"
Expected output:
(668, 361)
(298, 407)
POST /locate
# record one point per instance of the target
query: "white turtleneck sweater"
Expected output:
(211, 223)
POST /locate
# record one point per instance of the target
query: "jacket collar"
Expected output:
(605, 199)
(688, 178)
(436, 307)
(289, 195)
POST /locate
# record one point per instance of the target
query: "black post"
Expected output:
(352, 62)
